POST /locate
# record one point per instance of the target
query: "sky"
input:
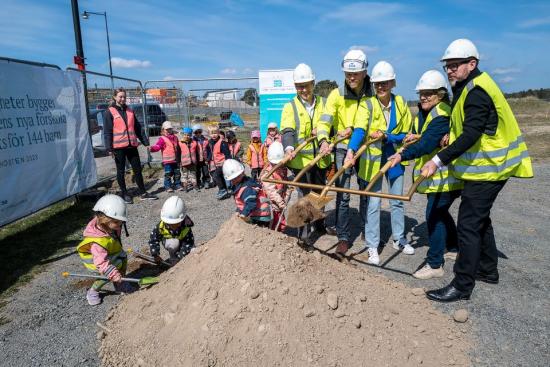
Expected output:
(166, 39)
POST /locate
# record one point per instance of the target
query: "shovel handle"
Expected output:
(101, 277)
(287, 158)
(317, 158)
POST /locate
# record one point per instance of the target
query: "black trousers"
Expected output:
(218, 177)
(132, 155)
(477, 250)
(201, 173)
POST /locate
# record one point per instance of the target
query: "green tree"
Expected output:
(323, 87)
(250, 96)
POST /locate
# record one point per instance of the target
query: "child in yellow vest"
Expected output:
(173, 231)
(101, 250)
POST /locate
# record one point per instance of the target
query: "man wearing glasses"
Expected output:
(486, 148)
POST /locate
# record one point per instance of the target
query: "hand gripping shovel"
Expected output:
(141, 282)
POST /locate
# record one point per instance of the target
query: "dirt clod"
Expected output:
(460, 315)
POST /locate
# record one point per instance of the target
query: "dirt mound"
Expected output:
(252, 297)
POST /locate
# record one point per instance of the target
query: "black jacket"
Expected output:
(108, 128)
(480, 117)
(430, 139)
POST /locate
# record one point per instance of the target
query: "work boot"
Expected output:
(93, 297)
(427, 272)
(487, 278)
(341, 248)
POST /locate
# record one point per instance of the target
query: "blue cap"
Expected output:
(187, 130)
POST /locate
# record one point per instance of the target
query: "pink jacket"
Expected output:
(99, 253)
(275, 192)
(160, 145)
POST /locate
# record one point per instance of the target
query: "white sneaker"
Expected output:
(406, 248)
(427, 272)
(373, 256)
(451, 255)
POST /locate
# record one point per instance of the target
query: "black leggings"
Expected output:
(132, 155)
(202, 174)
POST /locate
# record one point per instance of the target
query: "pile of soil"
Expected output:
(252, 297)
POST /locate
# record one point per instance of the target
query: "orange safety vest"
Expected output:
(201, 147)
(262, 212)
(257, 157)
(217, 156)
(187, 153)
(234, 149)
(270, 139)
(124, 133)
(169, 152)
(281, 188)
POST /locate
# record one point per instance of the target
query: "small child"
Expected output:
(272, 136)
(252, 204)
(169, 146)
(173, 231)
(201, 158)
(235, 147)
(101, 249)
(277, 193)
(255, 154)
(219, 153)
(188, 159)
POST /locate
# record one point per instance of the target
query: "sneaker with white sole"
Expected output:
(373, 256)
(93, 297)
(403, 245)
(450, 255)
(427, 272)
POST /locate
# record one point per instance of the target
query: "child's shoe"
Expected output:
(169, 189)
(93, 297)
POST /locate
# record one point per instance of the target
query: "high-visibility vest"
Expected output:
(296, 117)
(341, 113)
(170, 151)
(498, 154)
(262, 212)
(370, 161)
(165, 232)
(201, 147)
(270, 139)
(256, 157)
(441, 181)
(187, 153)
(124, 133)
(234, 149)
(217, 156)
(115, 254)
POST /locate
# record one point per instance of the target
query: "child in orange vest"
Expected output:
(101, 249)
(168, 144)
(252, 204)
(277, 193)
(219, 151)
(255, 155)
(188, 159)
(272, 136)
(235, 147)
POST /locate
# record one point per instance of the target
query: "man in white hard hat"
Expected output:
(339, 117)
(299, 121)
(486, 148)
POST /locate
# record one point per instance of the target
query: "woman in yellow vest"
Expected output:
(101, 250)
(389, 117)
(486, 148)
(430, 126)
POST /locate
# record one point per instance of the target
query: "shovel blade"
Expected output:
(148, 281)
(302, 213)
(317, 200)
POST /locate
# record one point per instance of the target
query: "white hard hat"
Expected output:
(431, 80)
(173, 210)
(196, 127)
(303, 74)
(112, 206)
(354, 61)
(167, 125)
(460, 49)
(275, 152)
(232, 169)
(382, 71)
(272, 125)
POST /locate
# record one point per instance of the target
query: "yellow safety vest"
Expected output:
(340, 113)
(116, 255)
(295, 117)
(441, 181)
(165, 232)
(497, 155)
(370, 161)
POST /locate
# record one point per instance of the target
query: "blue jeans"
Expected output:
(441, 226)
(371, 205)
(342, 199)
(172, 170)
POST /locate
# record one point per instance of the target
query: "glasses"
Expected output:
(455, 65)
(302, 86)
(427, 93)
(383, 84)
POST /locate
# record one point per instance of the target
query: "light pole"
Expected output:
(86, 15)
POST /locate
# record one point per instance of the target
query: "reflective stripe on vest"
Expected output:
(169, 151)
(262, 212)
(256, 157)
(186, 156)
(217, 155)
(234, 149)
(124, 134)
(201, 147)
(115, 254)
(497, 155)
(164, 231)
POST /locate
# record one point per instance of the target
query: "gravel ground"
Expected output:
(52, 325)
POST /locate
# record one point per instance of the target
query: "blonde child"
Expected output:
(173, 231)
(101, 249)
(188, 161)
(168, 144)
(277, 193)
(255, 154)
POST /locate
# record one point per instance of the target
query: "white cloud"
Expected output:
(248, 71)
(364, 12)
(502, 71)
(507, 79)
(168, 77)
(535, 22)
(228, 71)
(129, 64)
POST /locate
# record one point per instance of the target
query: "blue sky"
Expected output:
(185, 39)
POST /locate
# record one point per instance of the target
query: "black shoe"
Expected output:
(487, 278)
(147, 196)
(447, 294)
(127, 199)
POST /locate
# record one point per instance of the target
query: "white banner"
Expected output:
(45, 150)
